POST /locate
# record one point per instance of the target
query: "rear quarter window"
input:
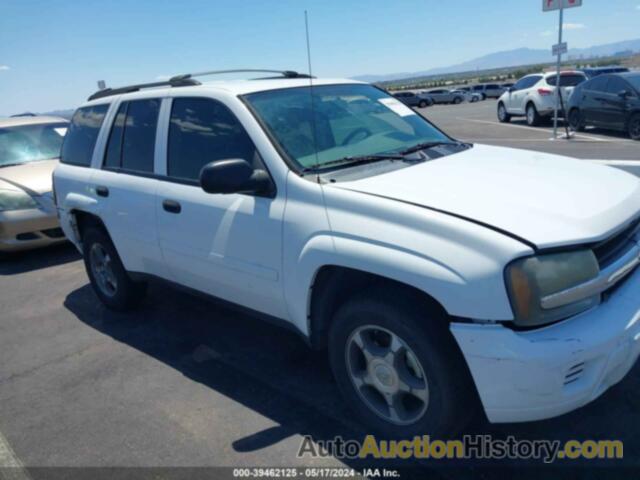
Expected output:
(81, 137)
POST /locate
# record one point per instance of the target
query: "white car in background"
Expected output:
(533, 96)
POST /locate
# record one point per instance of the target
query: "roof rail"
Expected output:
(284, 73)
(107, 92)
(186, 80)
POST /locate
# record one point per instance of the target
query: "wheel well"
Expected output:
(84, 221)
(333, 285)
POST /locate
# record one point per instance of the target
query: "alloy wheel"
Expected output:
(102, 267)
(387, 375)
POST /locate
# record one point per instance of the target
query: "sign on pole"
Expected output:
(560, 48)
(549, 5)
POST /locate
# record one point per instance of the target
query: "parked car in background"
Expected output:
(607, 101)
(436, 284)
(467, 96)
(443, 95)
(533, 96)
(29, 150)
(411, 99)
(489, 90)
(595, 71)
(474, 96)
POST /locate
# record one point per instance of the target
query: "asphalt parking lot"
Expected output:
(478, 123)
(183, 382)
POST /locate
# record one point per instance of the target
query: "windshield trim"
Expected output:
(290, 162)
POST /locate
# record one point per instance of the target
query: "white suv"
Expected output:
(533, 96)
(439, 275)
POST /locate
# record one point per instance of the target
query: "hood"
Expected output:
(547, 200)
(33, 177)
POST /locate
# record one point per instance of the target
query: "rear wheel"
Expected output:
(503, 115)
(533, 117)
(634, 127)
(423, 104)
(109, 279)
(398, 366)
(576, 121)
(457, 100)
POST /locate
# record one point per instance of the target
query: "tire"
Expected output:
(457, 100)
(108, 277)
(575, 120)
(423, 104)
(533, 117)
(634, 127)
(425, 345)
(503, 115)
(484, 97)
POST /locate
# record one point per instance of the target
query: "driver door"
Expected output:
(226, 245)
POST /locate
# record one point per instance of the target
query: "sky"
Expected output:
(52, 52)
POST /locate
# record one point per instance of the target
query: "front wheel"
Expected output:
(634, 127)
(457, 100)
(503, 115)
(423, 104)
(398, 366)
(109, 279)
(575, 120)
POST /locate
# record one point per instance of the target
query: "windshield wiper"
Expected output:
(353, 161)
(426, 145)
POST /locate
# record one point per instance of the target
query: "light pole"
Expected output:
(559, 63)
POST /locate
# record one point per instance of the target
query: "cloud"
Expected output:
(565, 26)
(4, 67)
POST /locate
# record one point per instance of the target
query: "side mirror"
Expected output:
(234, 176)
(511, 89)
(624, 94)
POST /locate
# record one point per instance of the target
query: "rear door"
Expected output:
(126, 185)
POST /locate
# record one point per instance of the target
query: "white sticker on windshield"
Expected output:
(62, 131)
(397, 106)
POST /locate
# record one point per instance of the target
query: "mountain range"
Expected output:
(511, 58)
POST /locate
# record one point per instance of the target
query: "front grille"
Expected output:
(616, 246)
(27, 236)
(54, 233)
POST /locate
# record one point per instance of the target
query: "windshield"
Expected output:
(30, 143)
(349, 121)
(635, 81)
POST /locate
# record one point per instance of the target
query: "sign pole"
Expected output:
(559, 63)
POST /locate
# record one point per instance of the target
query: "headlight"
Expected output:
(531, 279)
(15, 200)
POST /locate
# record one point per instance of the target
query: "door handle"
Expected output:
(171, 206)
(102, 191)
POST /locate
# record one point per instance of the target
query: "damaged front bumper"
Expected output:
(525, 376)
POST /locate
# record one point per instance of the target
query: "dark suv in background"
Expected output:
(594, 72)
(411, 99)
(489, 90)
(607, 101)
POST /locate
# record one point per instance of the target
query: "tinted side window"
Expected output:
(114, 146)
(616, 85)
(202, 130)
(139, 137)
(81, 137)
(598, 84)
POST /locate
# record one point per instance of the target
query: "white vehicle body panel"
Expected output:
(447, 227)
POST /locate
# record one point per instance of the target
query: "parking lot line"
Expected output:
(11, 468)
(541, 130)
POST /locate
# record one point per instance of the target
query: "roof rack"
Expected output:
(186, 80)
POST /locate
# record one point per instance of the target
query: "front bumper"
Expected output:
(27, 229)
(525, 376)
